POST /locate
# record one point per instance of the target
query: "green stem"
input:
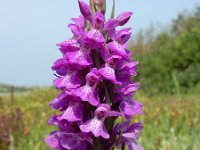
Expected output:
(113, 10)
(96, 59)
(92, 6)
(97, 64)
(98, 144)
(106, 93)
(123, 147)
(103, 10)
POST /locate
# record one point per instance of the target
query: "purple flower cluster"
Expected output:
(94, 75)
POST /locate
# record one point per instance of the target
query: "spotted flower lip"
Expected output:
(77, 141)
(96, 125)
(104, 111)
(109, 73)
(73, 112)
(68, 46)
(129, 68)
(88, 93)
(94, 36)
(131, 107)
(94, 75)
(52, 141)
(71, 80)
(118, 49)
(62, 140)
(80, 59)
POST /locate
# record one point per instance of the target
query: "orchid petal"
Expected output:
(95, 126)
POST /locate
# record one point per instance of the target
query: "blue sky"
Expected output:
(29, 30)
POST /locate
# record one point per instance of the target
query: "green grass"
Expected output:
(170, 123)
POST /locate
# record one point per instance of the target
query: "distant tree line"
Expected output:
(170, 59)
(4, 88)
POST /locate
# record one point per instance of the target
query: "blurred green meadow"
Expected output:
(169, 73)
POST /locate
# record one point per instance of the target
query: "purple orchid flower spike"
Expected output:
(96, 125)
(94, 75)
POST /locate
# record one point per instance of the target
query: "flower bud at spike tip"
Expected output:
(124, 17)
(94, 75)
(85, 10)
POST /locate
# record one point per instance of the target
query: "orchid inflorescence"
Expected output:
(94, 75)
